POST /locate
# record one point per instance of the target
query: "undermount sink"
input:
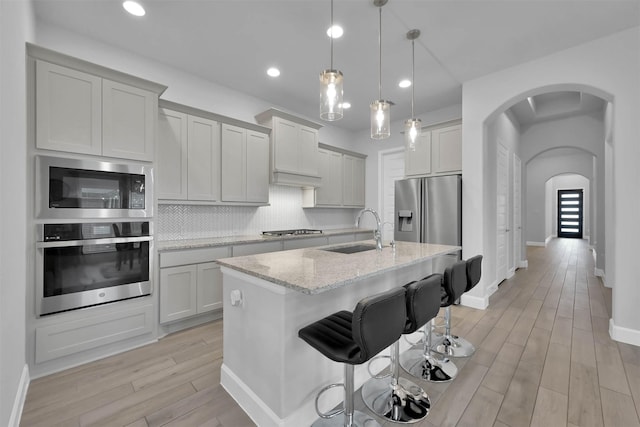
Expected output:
(351, 249)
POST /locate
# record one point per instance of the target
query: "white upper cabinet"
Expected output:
(88, 113)
(257, 167)
(330, 168)
(203, 147)
(206, 158)
(171, 160)
(245, 165)
(128, 121)
(447, 149)
(343, 180)
(68, 109)
(294, 148)
(418, 162)
(438, 152)
(353, 181)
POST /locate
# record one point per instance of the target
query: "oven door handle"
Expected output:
(111, 241)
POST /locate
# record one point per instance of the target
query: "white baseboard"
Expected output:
(543, 244)
(548, 239)
(21, 395)
(625, 335)
(257, 410)
(523, 264)
(481, 303)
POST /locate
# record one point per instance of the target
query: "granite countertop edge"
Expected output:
(210, 242)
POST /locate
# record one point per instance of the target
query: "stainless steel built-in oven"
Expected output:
(84, 264)
(92, 189)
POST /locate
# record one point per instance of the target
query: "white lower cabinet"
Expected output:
(188, 290)
(190, 282)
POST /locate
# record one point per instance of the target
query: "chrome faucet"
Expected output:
(377, 234)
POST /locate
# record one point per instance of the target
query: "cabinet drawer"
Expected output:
(256, 248)
(67, 338)
(192, 256)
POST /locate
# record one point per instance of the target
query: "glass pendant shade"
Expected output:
(412, 131)
(331, 95)
(380, 119)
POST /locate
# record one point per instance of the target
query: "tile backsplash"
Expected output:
(176, 222)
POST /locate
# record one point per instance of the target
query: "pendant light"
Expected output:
(380, 109)
(413, 126)
(331, 87)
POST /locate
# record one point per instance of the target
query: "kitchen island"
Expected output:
(268, 370)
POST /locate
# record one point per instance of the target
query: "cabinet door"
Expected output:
(285, 145)
(330, 170)
(209, 287)
(233, 164)
(129, 117)
(308, 151)
(178, 293)
(353, 183)
(257, 167)
(68, 110)
(419, 162)
(171, 160)
(203, 176)
(447, 149)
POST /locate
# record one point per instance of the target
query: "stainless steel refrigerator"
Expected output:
(429, 210)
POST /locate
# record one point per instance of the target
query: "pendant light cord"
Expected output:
(380, 56)
(331, 36)
(413, 74)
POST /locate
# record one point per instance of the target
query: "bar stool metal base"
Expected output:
(360, 419)
(433, 369)
(405, 402)
(452, 346)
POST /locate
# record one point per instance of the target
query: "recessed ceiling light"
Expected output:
(346, 105)
(404, 83)
(133, 8)
(273, 72)
(335, 32)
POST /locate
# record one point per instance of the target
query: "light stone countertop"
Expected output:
(313, 270)
(168, 245)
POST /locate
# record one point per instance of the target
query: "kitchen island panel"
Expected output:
(270, 372)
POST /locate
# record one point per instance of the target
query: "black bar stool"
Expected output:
(399, 399)
(458, 279)
(425, 304)
(353, 338)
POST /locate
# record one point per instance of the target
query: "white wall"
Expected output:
(607, 67)
(16, 24)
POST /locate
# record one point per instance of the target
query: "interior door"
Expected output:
(502, 205)
(517, 211)
(570, 213)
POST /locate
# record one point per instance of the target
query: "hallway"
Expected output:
(544, 356)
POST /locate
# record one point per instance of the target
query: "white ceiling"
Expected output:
(233, 42)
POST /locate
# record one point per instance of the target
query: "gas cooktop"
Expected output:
(295, 232)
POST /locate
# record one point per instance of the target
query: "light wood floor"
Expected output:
(544, 358)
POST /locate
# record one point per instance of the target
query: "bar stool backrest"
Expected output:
(474, 271)
(423, 301)
(378, 321)
(454, 283)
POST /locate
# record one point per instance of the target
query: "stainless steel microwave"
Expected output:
(92, 189)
